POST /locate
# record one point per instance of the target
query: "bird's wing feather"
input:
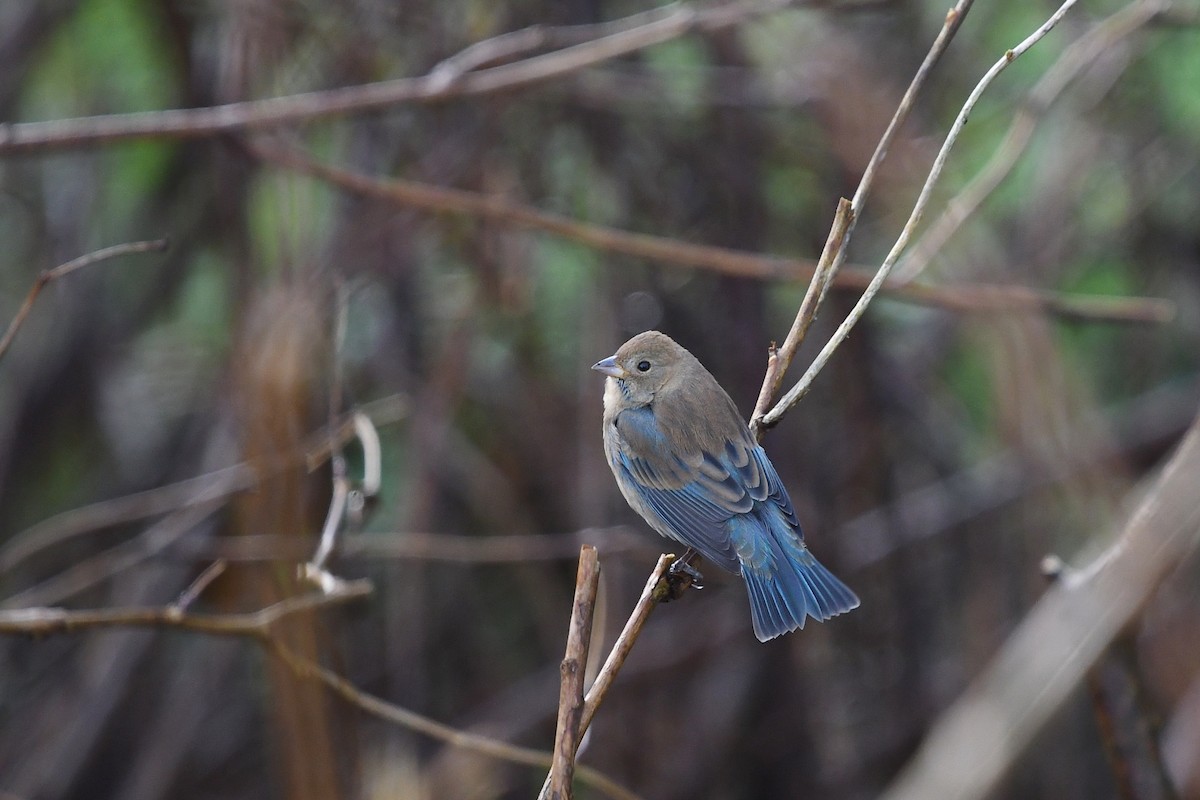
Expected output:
(694, 494)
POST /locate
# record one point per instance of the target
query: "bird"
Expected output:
(687, 463)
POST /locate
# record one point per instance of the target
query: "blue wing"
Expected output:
(695, 495)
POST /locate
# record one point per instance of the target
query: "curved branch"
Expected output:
(50, 275)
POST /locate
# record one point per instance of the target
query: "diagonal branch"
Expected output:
(978, 739)
(1076, 58)
(801, 388)
(847, 215)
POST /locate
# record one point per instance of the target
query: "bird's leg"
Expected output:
(681, 576)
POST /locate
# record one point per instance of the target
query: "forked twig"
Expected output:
(847, 215)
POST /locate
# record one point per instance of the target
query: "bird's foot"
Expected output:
(680, 577)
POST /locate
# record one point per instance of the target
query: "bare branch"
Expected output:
(973, 298)
(259, 625)
(50, 275)
(844, 220)
(619, 38)
(805, 383)
(573, 668)
(182, 494)
(42, 621)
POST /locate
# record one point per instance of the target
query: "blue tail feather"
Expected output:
(798, 587)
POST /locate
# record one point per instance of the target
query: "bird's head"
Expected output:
(644, 365)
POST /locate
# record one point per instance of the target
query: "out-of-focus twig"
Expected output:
(801, 388)
(971, 298)
(183, 494)
(42, 621)
(473, 742)
(260, 625)
(108, 563)
(977, 740)
(573, 669)
(1081, 54)
(424, 546)
(53, 274)
(847, 214)
(192, 593)
(617, 38)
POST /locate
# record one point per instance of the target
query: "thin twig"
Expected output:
(42, 621)
(833, 256)
(186, 493)
(971, 298)
(622, 37)
(50, 275)
(573, 668)
(192, 593)
(1076, 58)
(92, 571)
(802, 387)
(779, 359)
(475, 743)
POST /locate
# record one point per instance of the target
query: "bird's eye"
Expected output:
(643, 366)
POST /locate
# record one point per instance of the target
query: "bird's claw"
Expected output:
(680, 577)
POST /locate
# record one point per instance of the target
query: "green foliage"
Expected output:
(110, 57)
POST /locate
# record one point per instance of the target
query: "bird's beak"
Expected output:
(609, 367)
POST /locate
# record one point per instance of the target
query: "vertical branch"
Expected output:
(574, 665)
(652, 594)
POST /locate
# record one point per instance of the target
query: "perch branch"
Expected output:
(573, 669)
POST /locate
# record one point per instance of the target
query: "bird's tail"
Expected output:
(799, 586)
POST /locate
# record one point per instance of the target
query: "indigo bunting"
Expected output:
(687, 463)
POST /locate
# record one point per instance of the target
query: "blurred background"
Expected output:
(938, 458)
